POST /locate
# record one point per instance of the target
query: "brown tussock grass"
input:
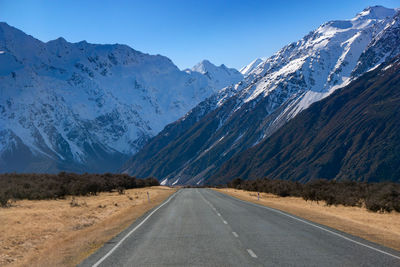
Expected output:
(63, 232)
(381, 228)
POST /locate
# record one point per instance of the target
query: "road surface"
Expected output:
(201, 227)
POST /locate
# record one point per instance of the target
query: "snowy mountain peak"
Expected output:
(217, 75)
(205, 66)
(58, 40)
(4, 25)
(251, 66)
(375, 12)
(202, 66)
(7, 31)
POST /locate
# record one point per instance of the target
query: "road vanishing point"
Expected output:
(202, 227)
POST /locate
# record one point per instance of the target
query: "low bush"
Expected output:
(377, 197)
(50, 186)
(384, 198)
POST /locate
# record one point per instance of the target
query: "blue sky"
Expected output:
(187, 31)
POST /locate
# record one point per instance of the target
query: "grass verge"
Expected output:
(381, 228)
(63, 232)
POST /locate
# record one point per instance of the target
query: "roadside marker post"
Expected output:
(148, 197)
(258, 195)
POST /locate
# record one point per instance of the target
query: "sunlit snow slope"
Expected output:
(87, 107)
(272, 93)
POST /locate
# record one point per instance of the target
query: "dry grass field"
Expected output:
(382, 228)
(64, 232)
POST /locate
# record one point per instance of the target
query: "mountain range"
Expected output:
(353, 134)
(88, 107)
(321, 107)
(273, 91)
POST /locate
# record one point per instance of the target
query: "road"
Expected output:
(202, 227)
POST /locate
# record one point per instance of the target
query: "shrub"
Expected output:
(384, 198)
(121, 190)
(52, 186)
(4, 200)
(378, 197)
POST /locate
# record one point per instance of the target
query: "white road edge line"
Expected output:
(130, 232)
(225, 222)
(219, 214)
(251, 253)
(321, 228)
(235, 234)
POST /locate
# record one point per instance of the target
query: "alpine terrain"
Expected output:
(274, 90)
(88, 107)
(352, 134)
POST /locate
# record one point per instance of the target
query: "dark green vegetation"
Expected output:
(51, 186)
(378, 197)
(354, 134)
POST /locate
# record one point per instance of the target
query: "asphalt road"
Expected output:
(201, 227)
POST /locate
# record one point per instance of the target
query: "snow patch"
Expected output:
(387, 67)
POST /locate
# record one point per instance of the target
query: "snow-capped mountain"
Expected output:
(218, 76)
(353, 134)
(87, 107)
(271, 94)
(251, 66)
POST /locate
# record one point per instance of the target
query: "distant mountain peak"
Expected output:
(217, 73)
(251, 66)
(205, 65)
(58, 41)
(376, 12)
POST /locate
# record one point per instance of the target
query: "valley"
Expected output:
(110, 156)
(200, 147)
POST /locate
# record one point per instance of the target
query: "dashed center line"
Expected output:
(251, 253)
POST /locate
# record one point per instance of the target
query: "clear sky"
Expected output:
(187, 31)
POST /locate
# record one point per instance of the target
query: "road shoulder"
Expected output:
(63, 232)
(383, 229)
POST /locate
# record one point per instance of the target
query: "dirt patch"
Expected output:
(64, 232)
(381, 228)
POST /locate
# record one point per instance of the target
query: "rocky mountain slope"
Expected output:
(353, 134)
(271, 94)
(88, 107)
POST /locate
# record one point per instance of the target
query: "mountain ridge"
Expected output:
(298, 75)
(353, 134)
(66, 106)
